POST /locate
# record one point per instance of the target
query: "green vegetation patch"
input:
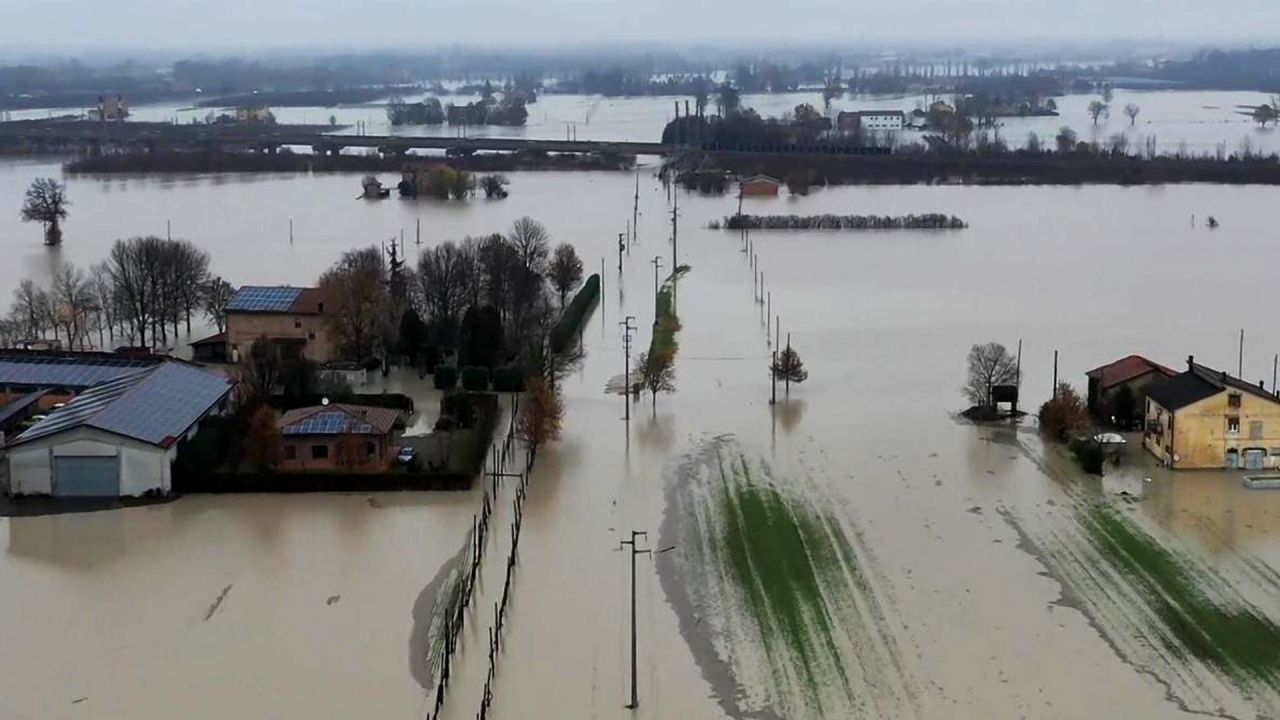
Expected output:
(784, 557)
(666, 324)
(1232, 637)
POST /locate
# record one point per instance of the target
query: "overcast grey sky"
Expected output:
(59, 25)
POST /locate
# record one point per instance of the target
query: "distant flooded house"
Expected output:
(1204, 418)
(760, 186)
(111, 108)
(871, 121)
(1106, 383)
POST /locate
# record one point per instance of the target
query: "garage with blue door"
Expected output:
(86, 476)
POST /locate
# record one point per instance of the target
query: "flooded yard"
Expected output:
(851, 552)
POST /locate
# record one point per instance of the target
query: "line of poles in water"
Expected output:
(463, 592)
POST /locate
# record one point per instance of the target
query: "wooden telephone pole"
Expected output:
(635, 696)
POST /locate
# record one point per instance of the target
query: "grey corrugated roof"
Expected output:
(155, 405)
(69, 370)
(17, 406)
(1196, 384)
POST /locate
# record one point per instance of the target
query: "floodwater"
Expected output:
(1196, 122)
(224, 606)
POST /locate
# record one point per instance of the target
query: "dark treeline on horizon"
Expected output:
(74, 83)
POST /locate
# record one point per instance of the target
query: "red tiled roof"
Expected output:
(1127, 369)
(218, 339)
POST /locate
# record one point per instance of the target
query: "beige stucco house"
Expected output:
(1204, 418)
(288, 316)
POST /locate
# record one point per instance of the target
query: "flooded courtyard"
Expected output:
(853, 551)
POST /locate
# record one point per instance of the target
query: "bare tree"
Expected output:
(260, 372)
(71, 299)
(26, 309)
(565, 271)
(191, 270)
(1107, 93)
(1132, 111)
(1097, 109)
(440, 289)
(498, 260)
(1033, 143)
(358, 301)
(214, 297)
(989, 365)
(494, 185)
(658, 374)
(137, 267)
(46, 203)
(531, 242)
(1066, 140)
(103, 301)
(1119, 144)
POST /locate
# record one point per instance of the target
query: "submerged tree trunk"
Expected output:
(52, 234)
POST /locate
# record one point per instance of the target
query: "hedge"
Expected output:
(575, 314)
(475, 378)
(508, 378)
(445, 377)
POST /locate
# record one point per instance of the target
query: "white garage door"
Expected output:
(86, 477)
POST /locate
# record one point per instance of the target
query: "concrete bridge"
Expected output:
(97, 137)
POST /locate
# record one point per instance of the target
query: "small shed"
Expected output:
(760, 186)
(212, 349)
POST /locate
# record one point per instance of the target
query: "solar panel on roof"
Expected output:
(264, 299)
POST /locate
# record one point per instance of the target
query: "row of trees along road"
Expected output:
(483, 301)
(141, 294)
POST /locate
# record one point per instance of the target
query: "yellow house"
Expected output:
(1204, 418)
(292, 318)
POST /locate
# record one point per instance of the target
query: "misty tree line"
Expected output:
(141, 294)
(491, 299)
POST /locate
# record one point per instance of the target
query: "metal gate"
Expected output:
(1255, 459)
(86, 476)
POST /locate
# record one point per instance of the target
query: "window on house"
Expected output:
(311, 336)
(290, 452)
(1233, 425)
(1255, 429)
(1233, 400)
(319, 452)
(297, 324)
(369, 449)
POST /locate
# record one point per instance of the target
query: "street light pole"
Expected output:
(635, 697)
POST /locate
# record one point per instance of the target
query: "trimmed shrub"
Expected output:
(475, 378)
(508, 379)
(575, 314)
(1090, 455)
(446, 377)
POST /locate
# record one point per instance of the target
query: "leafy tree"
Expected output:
(46, 203)
(262, 444)
(658, 374)
(565, 271)
(1097, 109)
(1064, 416)
(541, 415)
(1066, 140)
(728, 99)
(1132, 111)
(789, 367)
(989, 365)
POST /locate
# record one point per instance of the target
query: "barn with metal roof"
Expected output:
(119, 437)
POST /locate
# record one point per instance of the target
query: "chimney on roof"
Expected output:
(1223, 374)
(1191, 362)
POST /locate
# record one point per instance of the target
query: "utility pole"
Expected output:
(1018, 375)
(635, 697)
(1055, 374)
(1240, 367)
(675, 213)
(628, 237)
(773, 374)
(290, 232)
(1275, 366)
(628, 327)
(768, 317)
(417, 233)
(635, 212)
(657, 263)
(622, 245)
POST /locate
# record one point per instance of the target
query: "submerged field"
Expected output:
(782, 599)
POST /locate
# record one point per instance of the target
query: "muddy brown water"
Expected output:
(106, 612)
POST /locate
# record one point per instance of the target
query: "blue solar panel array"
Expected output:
(264, 299)
(153, 406)
(66, 372)
(328, 422)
